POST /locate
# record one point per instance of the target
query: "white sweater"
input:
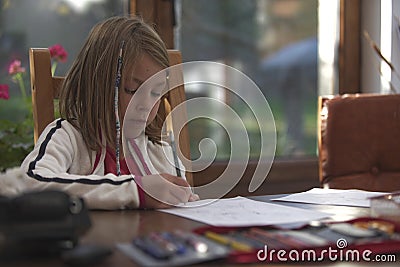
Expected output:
(60, 160)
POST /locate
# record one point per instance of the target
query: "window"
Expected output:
(272, 42)
(43, 23)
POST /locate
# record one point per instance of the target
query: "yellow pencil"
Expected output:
(170, 133)
(228, 241)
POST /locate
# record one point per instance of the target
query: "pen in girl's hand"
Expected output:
(173, 146)
(176, 161)
(171, 137)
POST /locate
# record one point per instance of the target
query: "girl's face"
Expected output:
(145, 101)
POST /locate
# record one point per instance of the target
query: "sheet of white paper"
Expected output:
(339, 197)
(240, 211)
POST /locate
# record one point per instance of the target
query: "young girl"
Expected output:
(82, 153)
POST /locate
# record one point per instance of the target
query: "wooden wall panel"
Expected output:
(349, 47)
(160, 13)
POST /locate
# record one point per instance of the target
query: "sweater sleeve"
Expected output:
(61, 161)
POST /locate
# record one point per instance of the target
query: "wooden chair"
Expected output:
(45, 89)
(359, 142)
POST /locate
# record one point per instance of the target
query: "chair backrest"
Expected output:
(359, 142)
(45, 89)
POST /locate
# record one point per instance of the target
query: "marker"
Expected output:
(163, 243)
(148, 247)
(383, 226)
(271, 241)
(281, 238)
(241, 237)
(228, 241)
(179, 244)
(197, 244)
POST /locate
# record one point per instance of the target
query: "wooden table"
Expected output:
(111, 227)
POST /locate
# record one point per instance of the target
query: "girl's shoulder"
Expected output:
(162, 144)
(60, 128)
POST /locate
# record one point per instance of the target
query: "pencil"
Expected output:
(173, 146)
(170, 134)
(171, 137)
(228, 241)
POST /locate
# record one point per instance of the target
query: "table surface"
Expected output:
(111, 227)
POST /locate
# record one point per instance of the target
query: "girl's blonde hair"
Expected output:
(87, 94)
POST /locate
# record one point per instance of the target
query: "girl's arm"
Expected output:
(61, 161)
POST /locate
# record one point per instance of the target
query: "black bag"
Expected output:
(37, 223)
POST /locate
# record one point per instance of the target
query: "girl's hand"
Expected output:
(165, 190)
(194, 197)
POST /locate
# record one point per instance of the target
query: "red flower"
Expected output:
(58, 53)
(15, 67)
(4, 91)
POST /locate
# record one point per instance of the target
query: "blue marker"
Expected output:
(163, 243)
(151, 249)
(179, 244)
(197, 244)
